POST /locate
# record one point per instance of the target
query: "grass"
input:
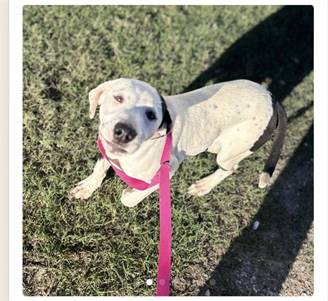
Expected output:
(99, 247)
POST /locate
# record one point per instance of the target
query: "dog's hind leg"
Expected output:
(205, 185)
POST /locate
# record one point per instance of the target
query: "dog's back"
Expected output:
(231, 119)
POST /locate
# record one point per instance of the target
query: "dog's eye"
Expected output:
(118, 98)
(151, 115)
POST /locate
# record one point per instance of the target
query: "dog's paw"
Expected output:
(130, 197)
(83, 190)
(264, 180)
(200, 188)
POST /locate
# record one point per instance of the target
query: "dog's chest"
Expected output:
(145, 163)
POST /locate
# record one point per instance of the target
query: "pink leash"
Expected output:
(165, 237)
(162, 177)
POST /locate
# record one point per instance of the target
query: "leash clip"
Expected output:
(165, 162)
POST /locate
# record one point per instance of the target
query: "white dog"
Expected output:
(231, 119)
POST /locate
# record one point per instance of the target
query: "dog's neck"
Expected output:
(145, 162)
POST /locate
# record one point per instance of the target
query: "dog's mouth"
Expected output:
(113, 147)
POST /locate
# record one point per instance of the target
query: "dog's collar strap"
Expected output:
(167, 121)
(134, 182)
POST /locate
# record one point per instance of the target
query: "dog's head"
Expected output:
(131, 111)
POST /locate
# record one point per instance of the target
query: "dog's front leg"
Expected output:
(132, 197)
(85, 188)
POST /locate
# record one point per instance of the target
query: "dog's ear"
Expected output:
(94, 97)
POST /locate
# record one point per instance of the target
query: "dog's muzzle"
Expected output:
(123, 133)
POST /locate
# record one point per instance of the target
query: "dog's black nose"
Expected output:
(123, 133)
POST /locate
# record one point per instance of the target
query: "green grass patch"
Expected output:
(99, 247)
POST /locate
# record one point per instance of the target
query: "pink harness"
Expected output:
(162, 177)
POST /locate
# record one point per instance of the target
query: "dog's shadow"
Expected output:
(278, 51)
(257, 262)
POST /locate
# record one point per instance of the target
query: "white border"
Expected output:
(15, 150)
(320, 129)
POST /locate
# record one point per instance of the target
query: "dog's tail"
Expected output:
(280, 120)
